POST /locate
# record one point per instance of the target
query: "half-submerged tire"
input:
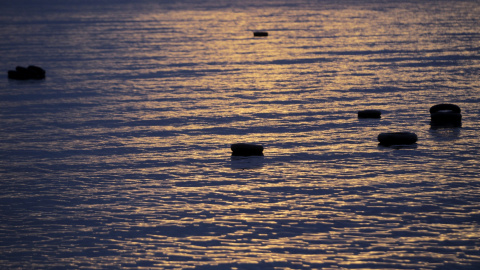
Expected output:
(246, 149)
(28, 73)
(397, 138)
(448, 115)
(260, 34)
(370, 114)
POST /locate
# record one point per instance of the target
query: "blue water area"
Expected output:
(120, 158)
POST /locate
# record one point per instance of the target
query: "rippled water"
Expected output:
(121, 158)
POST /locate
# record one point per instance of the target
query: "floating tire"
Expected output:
(448, 115)
(28, 73)
(397, 138)
(370, 114)
(245, 149)
(260, 34)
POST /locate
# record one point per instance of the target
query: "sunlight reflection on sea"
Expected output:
(121, 157)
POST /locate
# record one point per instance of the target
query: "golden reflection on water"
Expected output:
(149, 164)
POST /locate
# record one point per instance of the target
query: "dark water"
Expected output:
(120, 158)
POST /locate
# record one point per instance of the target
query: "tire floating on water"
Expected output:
(246, 149)
(448, 115)
(260, 34)
(28, 73)
(370, 114)
(397, 138)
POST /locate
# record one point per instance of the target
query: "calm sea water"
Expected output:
(120, 158)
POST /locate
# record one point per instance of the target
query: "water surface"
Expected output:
(120, 158)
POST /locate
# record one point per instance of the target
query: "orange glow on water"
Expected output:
(122, 157)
